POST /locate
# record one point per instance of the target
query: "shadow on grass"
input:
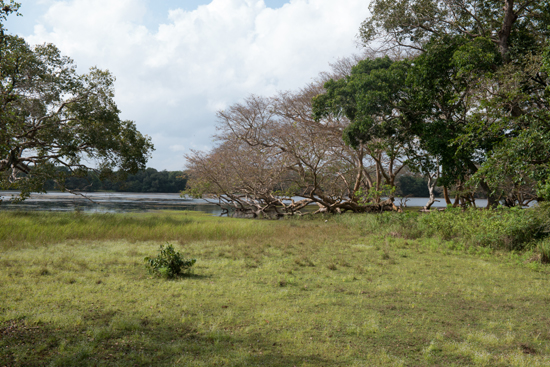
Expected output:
(194, 276)
(140, 343)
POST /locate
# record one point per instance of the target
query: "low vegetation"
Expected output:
(169, 263)
(348, 290)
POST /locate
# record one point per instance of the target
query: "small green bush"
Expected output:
(169, 263)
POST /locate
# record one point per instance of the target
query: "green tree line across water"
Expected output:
(147, 180)
(152, 180)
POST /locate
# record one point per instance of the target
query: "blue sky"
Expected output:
(178, 62)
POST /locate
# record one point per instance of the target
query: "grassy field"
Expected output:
(333, 291)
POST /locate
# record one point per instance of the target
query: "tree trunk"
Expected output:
(446, 195)
(378, 181)
(431, 187)
(457, 201)
(492, 201)
(504, 34)
(360, 169)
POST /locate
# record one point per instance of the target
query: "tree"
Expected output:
(247, 179)
(148, 180)
(518, 167)
(477, 85)
(439, 98)
(51, 116)
(373, 99)
(274, 156)
(413, 23)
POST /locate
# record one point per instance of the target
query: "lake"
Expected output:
(108, 202)
(123, 202)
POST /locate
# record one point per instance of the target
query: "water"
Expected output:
(123, 202)
(101, 202)
(440, 202)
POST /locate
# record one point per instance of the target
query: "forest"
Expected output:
(152, 180)
(147, 180)
(455, 91)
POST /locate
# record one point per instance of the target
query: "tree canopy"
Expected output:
(274, 158)
(514, 27)
(457, 91)
(148, 180)
(52, 117)
(476, 96)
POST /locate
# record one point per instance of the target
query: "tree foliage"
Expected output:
(148, 180)
(456, 90)
(477, 93)
(274, 158)
(515, 27)
(52, 117)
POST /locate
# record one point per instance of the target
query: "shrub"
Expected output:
(503, 228)
(511, 229)
(169, 263)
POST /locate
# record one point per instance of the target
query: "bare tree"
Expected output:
(274, 158)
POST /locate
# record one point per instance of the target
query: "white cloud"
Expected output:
(178, 148)
(172, 80)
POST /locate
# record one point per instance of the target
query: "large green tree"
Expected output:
(51, 116)
(388, 108)
(513, 26)
(477, 86)
(520, 163)
(371, 98)
(440, 99)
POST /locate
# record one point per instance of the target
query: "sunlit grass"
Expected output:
(275, 293)
(37, 228)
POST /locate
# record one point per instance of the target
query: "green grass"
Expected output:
(38, 228)
(352, 291)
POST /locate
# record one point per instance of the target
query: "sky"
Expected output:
(177, 62)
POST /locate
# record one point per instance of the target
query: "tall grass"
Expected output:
(510, 229)
(39, 228)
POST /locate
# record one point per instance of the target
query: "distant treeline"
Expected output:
(148, 180)
(151, 180)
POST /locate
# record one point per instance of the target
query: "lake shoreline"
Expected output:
(117, 202)
(106, 202)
